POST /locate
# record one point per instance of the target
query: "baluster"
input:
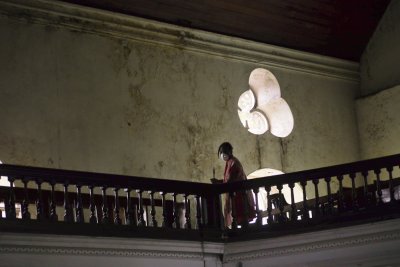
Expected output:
(330, 199)
(117, 219)
(198, 212)
(293, 212)
(92, 206)
(105, 218)
(317, 203)
(79, 208)
(305, 206)
(378, 186)
(153, 209)
(269, 205)
(281, 206)
(53, 214)
(24, 207)
(165, 222)
(130, 214)
(391, 189)
(68, 216)
(188, 224)
(367, 199)
(245, 204)
(341, 205)
(39, 203)
(142, 222)
(10, 211)
(175, 213)
(354, 201)
(233, 209)
(258, 213)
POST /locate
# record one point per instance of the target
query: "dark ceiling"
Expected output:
(337, 28)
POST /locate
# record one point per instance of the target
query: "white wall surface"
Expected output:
(88, 90)
(379, 63)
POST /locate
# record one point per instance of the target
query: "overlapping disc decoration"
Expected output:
(261, 108)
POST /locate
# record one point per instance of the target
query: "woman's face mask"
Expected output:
(224, 156)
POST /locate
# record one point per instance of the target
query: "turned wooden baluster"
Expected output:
(281, 204)
(10, 208)
(141, 220)
(188, 224)
(270, 219)
(79, 207)
(105, 218)
(367, 199)
(293, 212)
(341, 205)
(233, 210)
(391, 188)
(153, 209)
(175, 213)
(130, 213)
(198, 212)
(24, 207)
(305, 206)
(68, 216)
(330, 199)
(92, 206)
(354, 201)
(117, 219)
(39, 203)
(258, 213)
(165, 222)
(317, 203)
(245, 204)
(53, 214)
(378, 186)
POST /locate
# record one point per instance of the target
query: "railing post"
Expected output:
(153, 210)
(316, 208)
(92, 206)
(293, 212)
(117, 219)
(10, 212)
(188, 224)
(199, 225)
(232, 196)
(330, 199)
(165, 222)
(105, 217)
(354, 201)
(130, 213)
(341, 205)
(258, 213)
(53, 213)
(141, 221)
(24, 207)
(270, 219)
(79, 207)
(68, 216)
(391, 189)
(378, 186)
(305, 206)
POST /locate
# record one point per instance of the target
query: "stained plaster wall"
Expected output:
(378, 108)
(74, 99)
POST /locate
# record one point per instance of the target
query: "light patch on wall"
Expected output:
(262, 194)
(261, 108)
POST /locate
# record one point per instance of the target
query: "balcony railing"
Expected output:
(70, 202)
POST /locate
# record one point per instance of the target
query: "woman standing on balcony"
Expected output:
(234, 172)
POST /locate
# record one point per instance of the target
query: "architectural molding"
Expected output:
(341, 238)
(96, 246)
(115, 25)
